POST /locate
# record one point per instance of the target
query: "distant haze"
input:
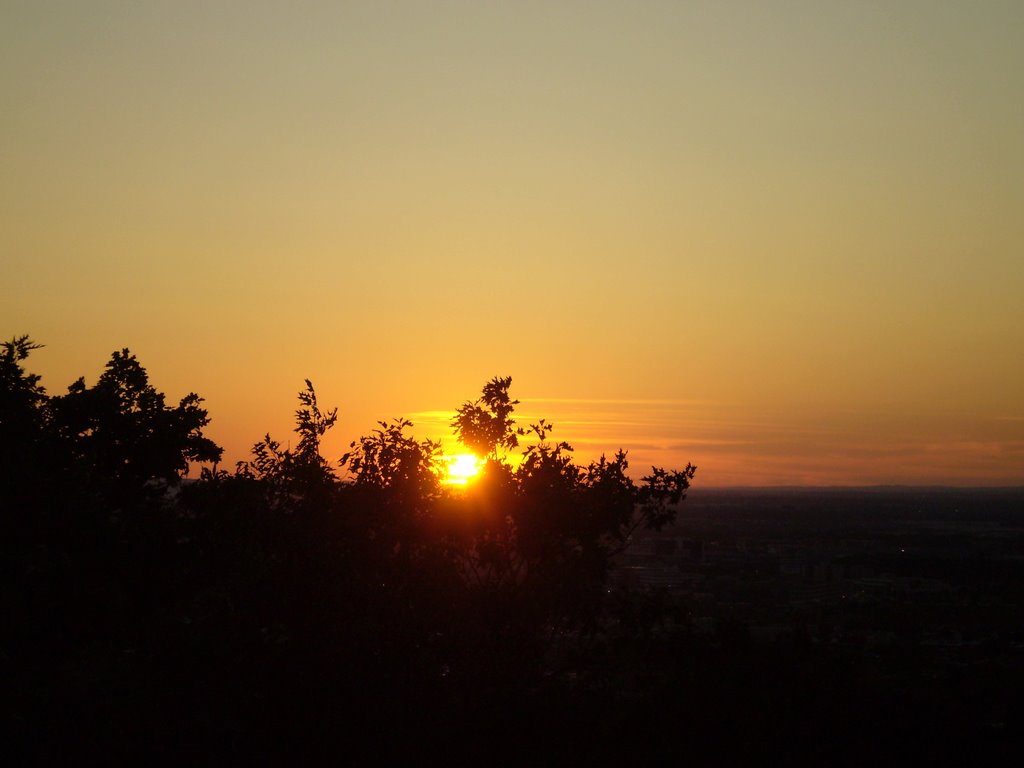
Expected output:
(781, 240)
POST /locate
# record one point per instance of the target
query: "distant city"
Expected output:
(940, 568)
(917, 593)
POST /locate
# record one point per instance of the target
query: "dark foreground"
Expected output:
(779, 627)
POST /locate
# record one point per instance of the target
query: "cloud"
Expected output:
(618, 401)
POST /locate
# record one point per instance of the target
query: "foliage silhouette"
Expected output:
(22, 415)
(485, 425)
(365, 610)
(293, 586)
(390, 459)
(301, 477)
(121, 432)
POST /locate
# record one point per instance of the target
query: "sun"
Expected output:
(461, 468)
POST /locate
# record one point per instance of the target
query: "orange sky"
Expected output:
(780, 240)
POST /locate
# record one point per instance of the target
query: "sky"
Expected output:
(783, 241)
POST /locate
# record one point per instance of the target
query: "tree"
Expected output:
(389, 458)
(536, 542)
(22, 417)
(291, 475)
(393, 492)
(557, 518)
(293, 588)
(121, 433)
(312, 424)
(21, 395)
(485, 424)
(89, 542)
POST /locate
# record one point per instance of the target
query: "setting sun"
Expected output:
(462, 468)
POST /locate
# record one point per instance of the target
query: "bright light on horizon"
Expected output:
(461, 468)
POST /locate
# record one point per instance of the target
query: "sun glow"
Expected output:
(461, 468)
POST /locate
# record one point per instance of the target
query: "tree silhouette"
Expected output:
(364, 607)
(22, 416)
(388, 458)
(545, 532)
(485, 424)
(295, 476)
(121, 433)
(293, 587)
(21, 395)
(91, 545)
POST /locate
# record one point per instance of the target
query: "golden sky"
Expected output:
(781, 240)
